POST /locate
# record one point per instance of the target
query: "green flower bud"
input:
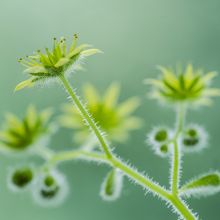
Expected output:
(51, 64)
(114, 118)
(20, 135)
(161, 136)
(194, 138)
(158, 139)
(112, 185)
(189, 86)
(50, 189)
(164, 148)
(20, 178)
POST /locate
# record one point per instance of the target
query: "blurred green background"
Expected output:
(135, 37)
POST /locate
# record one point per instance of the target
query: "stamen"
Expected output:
(23, 62)
(73, 46)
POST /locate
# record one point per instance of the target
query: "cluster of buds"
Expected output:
(47, 188)
(159, 139)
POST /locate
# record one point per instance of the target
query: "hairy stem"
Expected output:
(182, 208)
(44, 152)
(176, 156)
(129, 172)
(86, 116)
(77, 154)
(112, 160)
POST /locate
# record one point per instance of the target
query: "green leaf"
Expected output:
(112, 185)
(204, 185)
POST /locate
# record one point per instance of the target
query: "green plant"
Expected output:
(102, 115)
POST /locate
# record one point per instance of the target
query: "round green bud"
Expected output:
(161, 136)
(49, 181)
(50, 189)
(159, 139)
(20, 178)
(158, 136)
(192, 132)
(164, 148)
(194, 138)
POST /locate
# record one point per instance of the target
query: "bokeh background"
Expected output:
(135, 36)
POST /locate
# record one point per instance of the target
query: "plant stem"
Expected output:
(114, 162)
(140, 179)
(75, 154)
(86, 116)
(128, 171)
(182, 208)
(44, 152)
(176, 156)
(109, 158)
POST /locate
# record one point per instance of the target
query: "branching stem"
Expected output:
(109, 158)
(86, 116)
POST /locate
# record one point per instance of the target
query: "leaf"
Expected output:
(112, 185)
(204, 185)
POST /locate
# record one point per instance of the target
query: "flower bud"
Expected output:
(21, 135)
(158, 139)
(194, 138)
(50, 189)
(112, 186)
(180, 85)
(114, 118)
(20, 178)
(158, 135)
